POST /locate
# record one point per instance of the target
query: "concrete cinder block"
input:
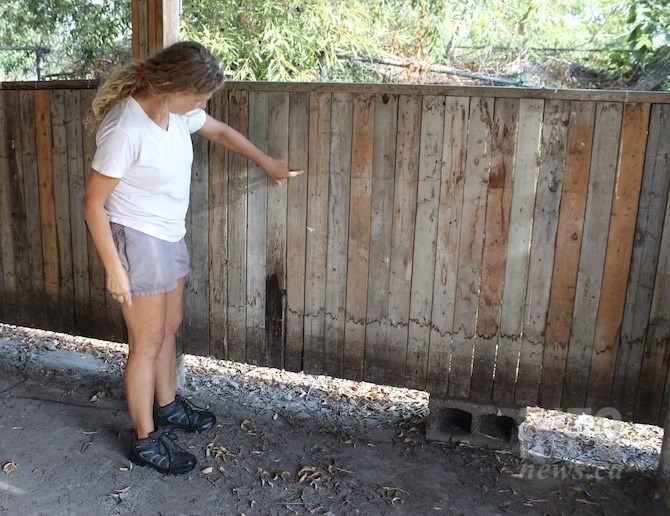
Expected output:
(179, 372)
(479, 424)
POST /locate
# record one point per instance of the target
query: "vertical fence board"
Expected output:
(238, 113)
(195, 328)
(31, 192)
(657, 346)
(79, 237)
(275, 281)
(6, 290)
(17, 202)
(393, 368)
(360, 206)
(592, 257)
(477, 169)
(296, 229)
(257, 202)
(96, 273)
(618, 254)
(9, 283)
(526, 172)
(654, 369)
(644, 261)
(43, 135)
(448, 236)
(425, 241)
(542, 250)
(62, 202)
(18, 208)
(338, 224)
(386, 125)
(495, 246)
(218, 235)
(317, 231)
(568, 246)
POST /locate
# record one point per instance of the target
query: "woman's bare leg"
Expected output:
(164, 387)
(146, 333)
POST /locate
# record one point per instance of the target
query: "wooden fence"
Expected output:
(498, 245)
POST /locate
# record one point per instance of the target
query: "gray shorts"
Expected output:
(153, 265)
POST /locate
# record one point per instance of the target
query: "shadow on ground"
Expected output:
(278, 448)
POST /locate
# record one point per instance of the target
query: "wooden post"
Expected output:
(155, 25)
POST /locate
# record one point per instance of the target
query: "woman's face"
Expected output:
(180, 103)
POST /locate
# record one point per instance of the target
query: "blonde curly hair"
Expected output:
(184, 67)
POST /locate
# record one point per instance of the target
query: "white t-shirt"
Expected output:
(153, 165)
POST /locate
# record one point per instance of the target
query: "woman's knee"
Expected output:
(147, 345)
(172, 325)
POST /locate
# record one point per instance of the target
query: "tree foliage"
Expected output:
(278, 40)
(81, 36)
(307, 40)
(650, 43)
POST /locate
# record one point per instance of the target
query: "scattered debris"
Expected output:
(297, 443)
(10, 467)
(585, 440)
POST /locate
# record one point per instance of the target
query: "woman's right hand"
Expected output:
(118, 285)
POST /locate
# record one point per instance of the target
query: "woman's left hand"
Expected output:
(278, 169)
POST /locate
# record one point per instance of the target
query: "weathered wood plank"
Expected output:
(650, 217)
(473, 219)
(542, 250)
(388, 366)
(425, 241)
(17, 203)
(275, 288)
(195, 327)
(238, 113)
(657, 345)
(296, 223)
(499, 200)
(338, 224)
(449, 90)
(37, 309)
(448, 236)
(62, 203)
(568, 246)
(257, 209)
(526, 172)
(9, 309)
(3, 203)
(592, 257)
(654, 369)
(457, 91)
(218, 235)
(386, 125)
(317, 231)
(79, 237)
(43, 135)
(96, 273)
(360, 208)
(618, 254)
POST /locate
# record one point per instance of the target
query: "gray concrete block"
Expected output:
(479, 424)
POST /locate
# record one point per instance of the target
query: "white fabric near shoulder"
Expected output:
(195, 119)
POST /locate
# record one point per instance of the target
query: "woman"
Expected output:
(135, 204)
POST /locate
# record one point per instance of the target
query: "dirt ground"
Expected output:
(284, 444)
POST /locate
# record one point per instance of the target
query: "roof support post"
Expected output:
(155, 25)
